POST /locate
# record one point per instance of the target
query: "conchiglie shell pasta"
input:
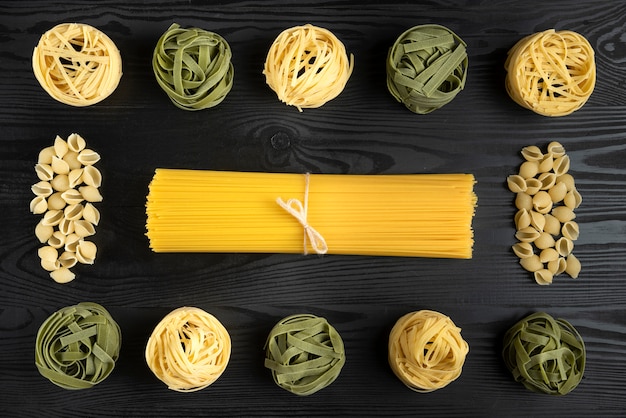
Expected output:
(543, 276)
(60, 147)
(60, 182)
(557, 266)
(573, 266)
(523, 201)
(44, 172)
(72, 196)
(86, 252)
(532, 153)
(71, 158)
(532, 263)
(91, 214)
(542, 202)
(75, 142)
(92, 176)
(561, 165)
(45, 155)
(544, 240)
(88, 157)
(548, 254)
(90, 193)
(528, 234)
(563, 214)
(564, 246)
(572, 199)
(43, 232)
(533, 186)
(529, 169)
(523, 249)
(56, 201)
(556, 149)
(570, 230)
(516, 183)
(42, 188)
(38, 205)
(522, 219)
(82, 228)
(62, 275)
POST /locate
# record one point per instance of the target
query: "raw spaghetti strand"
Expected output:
(77, 64)
(426, 350)
(552, 73)
(307, 66)
(188, 350)
(426, 215)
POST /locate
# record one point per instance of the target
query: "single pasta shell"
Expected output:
(558, 192)
(60, 147)
(547, 180)
(60, 166)
(44, 172)
(572, 199)
(60, 182)
(43, 232)
(522, 219)
(88, 157)
(56, 201)
(38, 205)
(57, 240)
(68, 259)
(533, 185)
(537, 220)
(92, 176)
(86, 252)
(557, 266)
(90, 193)
(542, 202)
(568, 179)
(62, 275)
(48, 253)
(523, 201)
(570, 230)
(529, 169)
(76, 143)
(573, 266)
(50, 265)
(72, 196)
(91, 214)
(74, 212)
(556, 149)
(71, 158)
(75, 177)
(82, 228)
(523, 249)
(41, 188)
(45, 155)
(532, 153)
(552, 225)
(561, 165)
(516, 183)
(528, 234)
(564, 246)
(543, 241)
(548, 254)
(543, 277)
(71, 241)
(532, 263)
(52, 217)
(563, 214)
(66, 226)
(546, 164)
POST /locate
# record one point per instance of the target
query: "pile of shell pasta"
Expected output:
(546, 198)
(69, 185)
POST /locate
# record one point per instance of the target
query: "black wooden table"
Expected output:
(363, 131)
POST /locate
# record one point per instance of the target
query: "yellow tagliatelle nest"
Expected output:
(188, 350)
(552, 73)
(426, 350)
(307, 66)
(77, 64)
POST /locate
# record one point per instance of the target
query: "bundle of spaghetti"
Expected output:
(546, 355)
(427, 215)
(305, 354)
(426, 68)
(188, 350)
(77, 346)
(307, 66)
(77, 64)
(193, 66)
(426, 350)
(552, 73)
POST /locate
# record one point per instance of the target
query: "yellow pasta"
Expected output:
(427, 215)
(552, 73)
(77, 64)
(426, 350)
(188, 350)
(307, 66)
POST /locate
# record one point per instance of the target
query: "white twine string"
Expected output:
(299, 211)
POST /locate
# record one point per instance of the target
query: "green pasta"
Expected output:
(426, 68)
(193, 67)
(77, 346)
(305, 354)
(545, 355)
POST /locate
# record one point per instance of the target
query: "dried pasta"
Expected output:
(77, 346)
(188, 350)
(77, 64)
(69, 182)
(546, 355)
(307, 66)
(427, 215)
(426, 68)
(305, 354)
(426, 350)
(552, 73)
(193, 66)
(546, 197)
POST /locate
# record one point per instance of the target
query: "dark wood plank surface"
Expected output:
(363, 131)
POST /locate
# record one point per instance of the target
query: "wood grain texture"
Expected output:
(363, 131)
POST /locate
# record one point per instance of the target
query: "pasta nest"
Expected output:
(305, 354)
(552, 73)
(307, 66)
(193, 66)
(546, 355)
(188, 350)
(77, 64)
(426, 350)
(426, 68)
(77, 346)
